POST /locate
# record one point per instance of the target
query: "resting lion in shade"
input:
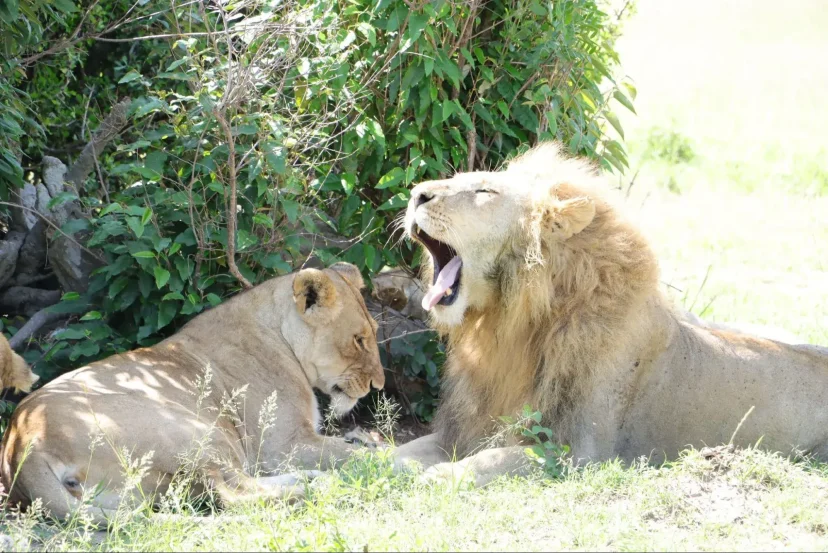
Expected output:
(277, 341)
(549, 297)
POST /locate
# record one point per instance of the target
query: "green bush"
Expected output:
(319, 115)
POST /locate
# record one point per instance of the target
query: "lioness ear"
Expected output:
(313, 291)
(19, 376)
(350, 272)
(573, 216)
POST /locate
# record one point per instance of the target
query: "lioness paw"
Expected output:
(361, 437)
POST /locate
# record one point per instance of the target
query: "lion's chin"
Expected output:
(342, 403)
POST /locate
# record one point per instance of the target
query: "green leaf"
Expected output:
(213, 299)
(135, 226)
(484, 114)
(111, 208)
(275, 261)
(392, 177)
(186, 238)
(368, 31)
(428, 64)
(85, 348)
(275, 158)
(618, 95)
(166, 313)
(184, 267)
(91, 316)
(291, 209)
(129, 77)
(66, 6)
(173, 296)
(537, 8)
(416, 24)
(552, 121)
(144, 255)
(62, 198)
(376, 131)
(117, 286)
(526, 117)
(162, 275)
(262, 219)
(69, 296)
(154, 162)
(348, 181)
(369, 253)
(450, 69)
(464, 116)
(395, 202)
(616, 124)
(75, 225)
(146, 216)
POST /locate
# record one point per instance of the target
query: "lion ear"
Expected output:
(573, 216)
(350, 272)
(313, 292)
(19, 376)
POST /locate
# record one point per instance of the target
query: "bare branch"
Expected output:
(107, 130)
(232, 204)
(33, 325)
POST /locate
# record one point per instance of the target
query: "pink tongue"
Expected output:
(444, 281)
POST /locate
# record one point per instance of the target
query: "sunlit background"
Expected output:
(729, 155)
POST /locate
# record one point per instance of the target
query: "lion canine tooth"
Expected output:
(449, 292)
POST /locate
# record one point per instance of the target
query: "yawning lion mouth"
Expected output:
(447, 271)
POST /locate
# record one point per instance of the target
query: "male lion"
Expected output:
(276, 342)
(548, 297)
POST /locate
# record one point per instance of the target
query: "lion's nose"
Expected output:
(423, 197)
(378, 382)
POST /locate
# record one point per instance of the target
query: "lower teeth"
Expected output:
(449, 292)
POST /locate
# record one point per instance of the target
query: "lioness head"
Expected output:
(334, 336)
(474, 222)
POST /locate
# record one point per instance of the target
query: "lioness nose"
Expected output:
(378, 382)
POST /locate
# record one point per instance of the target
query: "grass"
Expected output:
(717, 499)
(729, 148)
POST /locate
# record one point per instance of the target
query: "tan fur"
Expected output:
(14, 371)
(284, 337)
(559, 307)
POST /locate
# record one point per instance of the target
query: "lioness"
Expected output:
(276, 341)
(548, 297)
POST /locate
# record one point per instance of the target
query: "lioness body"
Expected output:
(558, 305)
(231, 393)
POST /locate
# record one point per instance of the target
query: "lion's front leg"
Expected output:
(483, 467)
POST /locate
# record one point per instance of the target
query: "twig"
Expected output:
(404, 334)
(38, 321)
(471, 141)
(231, 209)
(632, 183)
(698, 292)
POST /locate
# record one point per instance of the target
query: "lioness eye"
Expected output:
(484, 191)
(360, 341)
